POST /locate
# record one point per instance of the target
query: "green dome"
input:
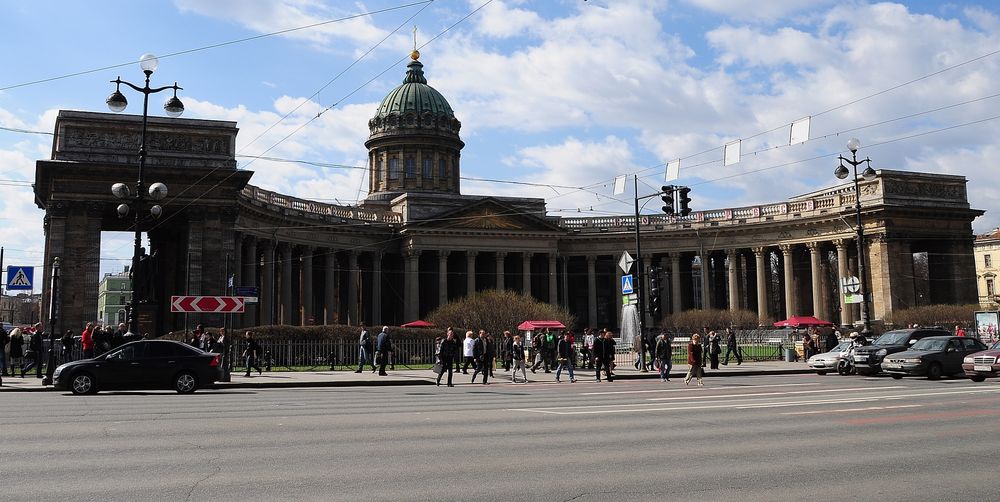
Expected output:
(414, 96)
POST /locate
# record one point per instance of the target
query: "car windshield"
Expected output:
(892, 338)
(996, 345)
(842, 347)
(930, 344)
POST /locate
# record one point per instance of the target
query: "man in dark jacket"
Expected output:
(664, 356)
(564, 350)
(732, 347)
(478, 355)
(252, 353)
(383, 349)
(448, 353)
(604, 353)
(35, 347)
(365, 347)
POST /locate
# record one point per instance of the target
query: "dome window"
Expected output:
(393, 168)
(442, 169)
(411, 167)
(428, 168)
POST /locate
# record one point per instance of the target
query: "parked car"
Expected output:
(868, 359)
(983, 364)
(828, 361)
(145, 364)
(932, 356)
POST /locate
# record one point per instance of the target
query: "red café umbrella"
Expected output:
(417, 324)
(533, 325)
(801, 321)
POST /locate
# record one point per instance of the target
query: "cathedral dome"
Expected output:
(414, 96)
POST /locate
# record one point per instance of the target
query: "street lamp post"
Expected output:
(50, 367)
(157, 191)
(869, 174)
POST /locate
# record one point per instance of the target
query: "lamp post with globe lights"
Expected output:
(135, 199)
(868, 174)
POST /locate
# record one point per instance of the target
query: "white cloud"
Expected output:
(770, 10)
(500, 20)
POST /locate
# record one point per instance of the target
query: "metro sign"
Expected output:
(228, 304)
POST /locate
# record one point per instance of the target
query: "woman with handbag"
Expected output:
(694, 361)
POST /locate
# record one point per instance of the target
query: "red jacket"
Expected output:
(87, 340)
(694, 354)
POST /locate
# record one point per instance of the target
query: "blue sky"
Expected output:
(567, 93)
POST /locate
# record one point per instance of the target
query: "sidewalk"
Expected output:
(402, 376)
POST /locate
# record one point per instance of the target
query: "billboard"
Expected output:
(987, 323)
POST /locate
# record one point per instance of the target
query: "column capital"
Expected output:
(759, 250)
(591, 259)
(411, 254)
(731, 253)
(785, 248)
(841, 244)
(501, 255)
(814, 246)
(443, 254)
(526, 255)
(471, 253)
(674, 256)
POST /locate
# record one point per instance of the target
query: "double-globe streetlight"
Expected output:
(157, 191)
(868, 174)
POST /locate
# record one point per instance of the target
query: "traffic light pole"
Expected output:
(638, 256)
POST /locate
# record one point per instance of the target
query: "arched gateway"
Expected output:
(416, 242)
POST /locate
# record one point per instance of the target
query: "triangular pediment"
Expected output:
(487, 214)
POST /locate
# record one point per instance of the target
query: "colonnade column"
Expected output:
(664, 296)
(249, 279)
(352, 288)
(442, 277)
(286, 283)
(330, 287)
(526, 273)
(759, 254)
(817, 278)
(553, 285)
(675, 283)
(500, 256)
(308, 316)
(787, 262)
(470, 272)
(411, 293)
(846, 317)
(731, 258)
(267, 289)
(706, 280)
(376, 288)
(592, 290)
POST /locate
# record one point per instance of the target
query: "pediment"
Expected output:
(489, 214)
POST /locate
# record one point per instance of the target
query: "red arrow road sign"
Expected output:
(228, 304)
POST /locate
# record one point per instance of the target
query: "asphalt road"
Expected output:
(796, 437)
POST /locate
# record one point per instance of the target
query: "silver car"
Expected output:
(827, 362)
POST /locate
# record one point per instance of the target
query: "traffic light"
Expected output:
(668, 199)
(654, 291)
(684, 200)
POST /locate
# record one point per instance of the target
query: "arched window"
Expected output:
(428, 168)
(393, 168)
(411, 167)
(379, 170)
(442, 168)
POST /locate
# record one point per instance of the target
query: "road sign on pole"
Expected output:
(626, 261)
(249, 293)
(20, 278)
(851, 289)
(627, 284)
(207, 304)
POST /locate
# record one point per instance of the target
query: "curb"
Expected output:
(428, 381)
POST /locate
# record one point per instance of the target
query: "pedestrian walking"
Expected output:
(365, 352)
(4, 341)
(383, 350)
(517, 359)
(959, 331)
(587, 351)
(564, 350)
(447, 354)
(34, 353)
(16, 351)
(489, 356)
(505, 350)
(538, 347)
(732, 348)
(664, 356)
(87, 341)
(714, 350)
(67, 346)
(467, 347)
(252, 353)
(694, 361)
(604, 354)
(640, 360)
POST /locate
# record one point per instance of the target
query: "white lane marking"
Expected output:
(847, 410)
(695, 390)
(746, 406)
(789, 393)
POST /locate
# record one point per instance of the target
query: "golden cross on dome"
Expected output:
(415, 54)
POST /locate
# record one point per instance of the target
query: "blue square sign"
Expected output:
(20, 278)
(627, 284)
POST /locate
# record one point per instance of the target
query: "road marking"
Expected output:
(695, 390)
(631, 408)
(851, 410)
(789, 393)
(944, 415)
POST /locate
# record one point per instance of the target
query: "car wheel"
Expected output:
(897, 377)
(83, 383)
(820, 373)
(934, 371)
(978, 378)
(185, 383)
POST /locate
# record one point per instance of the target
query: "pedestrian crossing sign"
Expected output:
(627, 284)
(20, 278)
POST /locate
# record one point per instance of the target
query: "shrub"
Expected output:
(496, 311)
(694, 320)
(326, 332)
(946, 316)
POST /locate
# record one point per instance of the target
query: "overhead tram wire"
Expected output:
(220, 44)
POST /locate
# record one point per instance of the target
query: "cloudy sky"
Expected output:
(563, 94)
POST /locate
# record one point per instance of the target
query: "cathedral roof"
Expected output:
(414, 95)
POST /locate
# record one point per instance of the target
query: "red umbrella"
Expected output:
(801, 321)
(417, 324)
(533, 325)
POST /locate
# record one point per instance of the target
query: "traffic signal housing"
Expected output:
(668, 199)
(654, 291)
(683, 200)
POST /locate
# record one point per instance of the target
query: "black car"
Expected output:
(145, 364)
(932, 356)
(868, 359)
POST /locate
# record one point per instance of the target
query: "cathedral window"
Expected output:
(428, 168)
(411, 167)
(442, 168)
(393, 168)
